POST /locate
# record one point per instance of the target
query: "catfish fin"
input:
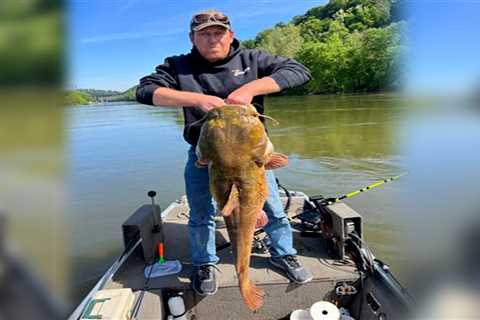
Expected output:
(232, 202)
(262, 219)
(262, 159)
(201, 164)
(277, 160)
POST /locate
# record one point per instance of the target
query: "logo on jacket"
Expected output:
(238, 72)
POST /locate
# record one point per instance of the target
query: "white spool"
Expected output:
(324, 310)
(177, 307)
(300, 315)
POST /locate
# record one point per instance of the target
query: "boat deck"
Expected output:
(282, 296)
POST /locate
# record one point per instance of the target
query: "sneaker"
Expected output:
(292, 267)
(204, 280)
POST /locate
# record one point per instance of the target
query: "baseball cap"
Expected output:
(209, 18)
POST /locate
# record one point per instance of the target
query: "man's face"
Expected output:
(213, 42)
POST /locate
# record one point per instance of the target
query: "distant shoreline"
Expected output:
(273, 96)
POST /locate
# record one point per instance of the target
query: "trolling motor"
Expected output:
(377, 292)
(335, 220)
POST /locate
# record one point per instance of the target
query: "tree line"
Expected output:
(91, 96)
(348, 45)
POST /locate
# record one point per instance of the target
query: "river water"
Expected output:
(336, 144)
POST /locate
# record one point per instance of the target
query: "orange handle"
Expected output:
(161, 252)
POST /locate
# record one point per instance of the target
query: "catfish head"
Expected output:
(233, 136)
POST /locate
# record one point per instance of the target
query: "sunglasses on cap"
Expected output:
(202, 18)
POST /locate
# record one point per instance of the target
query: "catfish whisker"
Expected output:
(198, 121)
(270, 118)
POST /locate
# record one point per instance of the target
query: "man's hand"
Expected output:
(207, 103)
(240, 96)
(176, 98)
(244, 94)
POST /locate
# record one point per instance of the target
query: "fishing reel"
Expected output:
(314, 214)
(261, 245)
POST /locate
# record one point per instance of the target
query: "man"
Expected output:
(218, 72)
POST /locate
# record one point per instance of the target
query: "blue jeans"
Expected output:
(201, 224)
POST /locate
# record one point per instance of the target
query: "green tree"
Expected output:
(283, 40)
(73, 98)
(356, 62)
(313, 29)
(249, 44)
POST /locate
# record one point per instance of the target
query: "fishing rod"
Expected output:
(321, 201)
(365, 189)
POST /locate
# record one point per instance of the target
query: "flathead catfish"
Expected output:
(234, 145)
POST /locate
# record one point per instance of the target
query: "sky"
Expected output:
(444, 46)
(111, 44)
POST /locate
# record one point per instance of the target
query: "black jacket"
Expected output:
(191, 72)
